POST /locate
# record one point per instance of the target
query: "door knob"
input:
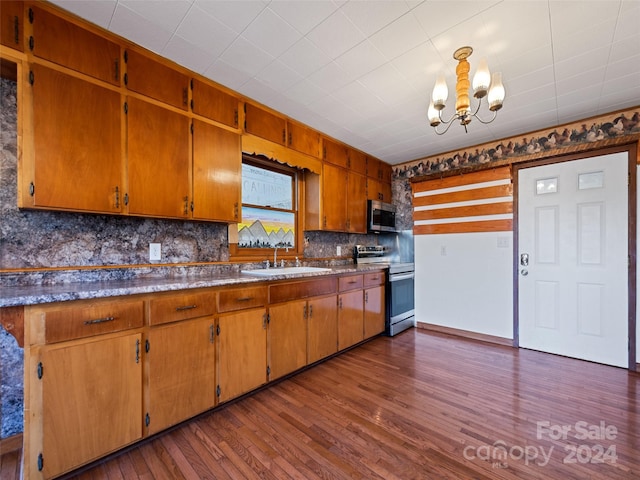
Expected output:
(524, 272)
(524, 259)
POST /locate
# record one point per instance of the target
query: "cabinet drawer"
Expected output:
(241, 298)
(181, 307)
(96, 319)
(374, 278)
(283, 292)
(350, 282)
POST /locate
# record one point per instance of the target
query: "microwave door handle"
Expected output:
(404, 276)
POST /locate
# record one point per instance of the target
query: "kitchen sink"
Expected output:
(271, 272)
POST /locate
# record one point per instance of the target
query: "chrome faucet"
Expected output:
(275, 257)
(266, 264)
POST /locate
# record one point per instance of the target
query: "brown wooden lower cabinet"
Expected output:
(350, 319)
(91, 402)
(107, 372)
(181, 360)
(322, 328)
(374, 311)
(242, 352)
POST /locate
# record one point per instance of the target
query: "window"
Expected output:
(269, 208)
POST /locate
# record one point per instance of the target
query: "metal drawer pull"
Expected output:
(244, 299)
(352, 282)
(99, 320)
(186, 307)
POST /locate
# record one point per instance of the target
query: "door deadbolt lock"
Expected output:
(524, 259)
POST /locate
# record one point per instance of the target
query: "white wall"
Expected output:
(465, 281)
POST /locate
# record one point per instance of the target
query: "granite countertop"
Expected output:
(37, 294)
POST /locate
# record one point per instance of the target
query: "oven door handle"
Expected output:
(403, 276)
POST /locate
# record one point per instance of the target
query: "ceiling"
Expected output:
(362, 71)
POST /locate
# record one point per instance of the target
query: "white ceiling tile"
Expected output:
(303, 16)
(335, 35)
(388, 85)
(624, 49)
(305, 92)
(360, 98)
(360, 60)
(271, 32)
(246, 56)
(200, 28)
(435, 17)
(331, 77)
(167, 14)
(278, 76)
(187, 54)
(228, 75)
(254, 88)
(585, 78)
(370, 17)
(235, 14)
(304, 57)
(135, 27)
(96, 11)
(628, 20)
(399, 37)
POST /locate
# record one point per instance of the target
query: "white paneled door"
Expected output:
(573, 254)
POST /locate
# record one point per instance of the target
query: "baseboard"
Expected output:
(466, 334)
(11, 444)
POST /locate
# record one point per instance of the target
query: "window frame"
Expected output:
(297, 176)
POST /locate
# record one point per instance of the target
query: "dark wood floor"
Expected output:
(419, 405)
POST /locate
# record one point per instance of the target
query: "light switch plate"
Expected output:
(339, 251)
(155, 251)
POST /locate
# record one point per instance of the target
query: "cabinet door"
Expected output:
(156, 80)
(159, 181)
(374, 311)
(335, 153)
(322, 322)
(92, 397)
(217, 173)
(181, 371)
(242, 352)
(303, 139)
(12, 26)
(77, 153)
(377, 190)
(264, 124)
(350, 319)
(69, 45)
(213, 103)
(357, 161)
(334, 198)
(287, 338)
(357, 203)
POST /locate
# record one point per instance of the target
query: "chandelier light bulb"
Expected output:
(496, 92)
(440, 93)
(433, 114)
(481, 79)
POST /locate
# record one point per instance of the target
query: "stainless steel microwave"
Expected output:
(381, 216)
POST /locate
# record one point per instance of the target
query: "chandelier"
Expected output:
(484, 85)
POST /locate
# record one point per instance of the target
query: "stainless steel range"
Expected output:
(400, 286)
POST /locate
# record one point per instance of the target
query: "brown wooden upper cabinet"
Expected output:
(156, 80)
(217, 173)
(265, 124)
(74, 161)
(303, 139)
(69, 45)
(379, 170)
(357, 161)
(213, 103)
(335, 153)
(159, 161)
(12, 26)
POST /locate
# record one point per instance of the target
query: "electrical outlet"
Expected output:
(339, 251)
(155, 251)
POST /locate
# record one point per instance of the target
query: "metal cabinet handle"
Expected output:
(244, 299)
(99, 320)
(186, 307)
